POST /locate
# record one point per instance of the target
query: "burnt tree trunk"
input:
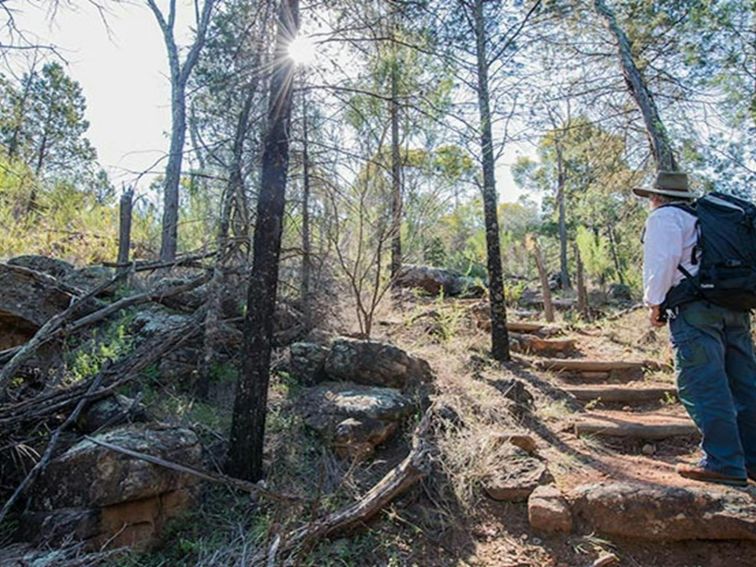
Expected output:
(564, 270)
(245, 457)
(499, 338)
(636, 84)
(306, 243)
(396, 181)
(124, 228)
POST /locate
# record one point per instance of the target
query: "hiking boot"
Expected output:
(704, 475)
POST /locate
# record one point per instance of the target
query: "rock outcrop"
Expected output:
(435, 281)
(307, 362)
(375, 364)
(548, 510)
(353, 418)
(100, 496)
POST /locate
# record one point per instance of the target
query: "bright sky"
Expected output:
(124, 77)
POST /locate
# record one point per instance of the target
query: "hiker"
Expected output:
(714, 358)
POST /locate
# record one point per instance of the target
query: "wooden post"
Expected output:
(124, 228)
(548, 306)
(582, 298)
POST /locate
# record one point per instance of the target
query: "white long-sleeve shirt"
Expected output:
(668, 242)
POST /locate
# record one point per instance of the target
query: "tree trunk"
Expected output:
(245, 458)
(615, 256)
(582, 298)
(563, 265)
(499, 338)
(548, 306)
(657, 134)
(169, 240)
(124, 228)
(396, 182)
(306, 244)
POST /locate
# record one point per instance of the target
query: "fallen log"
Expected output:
(415, 466)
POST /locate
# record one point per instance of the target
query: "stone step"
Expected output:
(652, 426)
(583, 365)
(533, 327)
(653, 511)
(620, 394)
(536, 345)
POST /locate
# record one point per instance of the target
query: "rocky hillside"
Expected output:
(410, 448)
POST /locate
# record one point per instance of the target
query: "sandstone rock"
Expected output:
(434, 281)
(307, 362)
(102, 497)
(375, 363)
(109, 412)
(354, 418)
(517, 477)
(548, 510)
(155, 319)
(58, 269)
(31, 297)
(89, 475)
(354, 438)
(89, 277)
(665, 513)
(524, 442)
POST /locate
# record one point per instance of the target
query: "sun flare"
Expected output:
(302, 50)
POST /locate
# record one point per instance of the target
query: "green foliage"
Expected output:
(108, 343)
(594, 251)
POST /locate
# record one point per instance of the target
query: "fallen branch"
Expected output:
(144, 265)
(412, 469)
(56, 326)
(42, 463)
(243, 485)
(48, 330)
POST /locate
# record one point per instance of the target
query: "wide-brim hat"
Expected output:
(669, 183)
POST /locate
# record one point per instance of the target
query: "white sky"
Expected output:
(124, 77)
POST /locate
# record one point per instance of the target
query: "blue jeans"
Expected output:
(716, 382)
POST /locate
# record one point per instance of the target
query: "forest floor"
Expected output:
(449, 519)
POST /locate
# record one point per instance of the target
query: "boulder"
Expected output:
(58, 269)
(375, 364)
(29, 296)
(307, 362)
(88, 474)
(620, 292)
(100, 496)
(354, 418)
(548, 510)
(435, 281)
(109, 412)
(665, 513)
(517, 476)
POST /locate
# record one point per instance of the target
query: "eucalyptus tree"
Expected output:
(245, 457)
(179, 74)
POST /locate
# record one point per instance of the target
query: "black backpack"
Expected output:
(725, 253)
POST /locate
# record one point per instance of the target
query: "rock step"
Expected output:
(666, 513)
(595, 366)
(638, 426)
(530, 327)
(537, 345)
(620, 394)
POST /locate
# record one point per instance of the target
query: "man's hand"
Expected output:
(653, 316)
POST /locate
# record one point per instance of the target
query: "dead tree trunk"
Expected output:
(548, 306)
(124, 228)
(564, 270)
(499, 338)
(245, 457)
(636, 84)
(179, 78)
